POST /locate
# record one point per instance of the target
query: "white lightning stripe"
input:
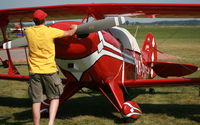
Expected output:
(81, 65)
(131, 106)
(130, 114)
(108, 44)
(117, 50)
(112, 47)
(132, 110)
(85, 63)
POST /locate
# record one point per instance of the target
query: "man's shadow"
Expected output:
(98, 106)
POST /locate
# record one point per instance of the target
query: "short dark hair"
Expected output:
(37, 21)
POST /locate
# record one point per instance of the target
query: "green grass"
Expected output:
(168, 106)
(181, 41)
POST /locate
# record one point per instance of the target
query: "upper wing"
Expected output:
(101, 10)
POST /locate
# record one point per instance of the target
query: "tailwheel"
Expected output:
(129, 120)
(152, 91)
(131, 111)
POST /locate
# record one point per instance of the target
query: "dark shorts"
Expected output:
(42, 86)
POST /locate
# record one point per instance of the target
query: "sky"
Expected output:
(6, 4)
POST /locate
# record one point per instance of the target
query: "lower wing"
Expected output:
(14, 77)
(162, 82)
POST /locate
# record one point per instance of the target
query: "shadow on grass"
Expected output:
(98, 106)
(15, 102)
(133, 93)
(20, 118)
(188, 111)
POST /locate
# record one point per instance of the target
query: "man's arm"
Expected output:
(70, 32)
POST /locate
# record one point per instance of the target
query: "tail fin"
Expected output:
(149, 53)
(162, 69)
(149, 49)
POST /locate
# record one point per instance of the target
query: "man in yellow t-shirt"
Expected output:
(42, 67)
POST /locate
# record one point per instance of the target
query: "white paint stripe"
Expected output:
(123, 20)
(45, 103)
(131, 106)
(7, 45)
(152, 57)
(123, 74)
(123, 71)
(112, 47)
(132, 110)
(4, 46)
(85, 63)
(116, 21)
(43, 110)
(130, 114)
(151, 73)
(153, 43)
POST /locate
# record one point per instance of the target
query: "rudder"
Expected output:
(149, 49)
(149, 52)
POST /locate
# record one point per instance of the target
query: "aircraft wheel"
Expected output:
(130, 120)
(131, 111)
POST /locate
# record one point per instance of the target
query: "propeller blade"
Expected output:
(81, 30)
(99, 25)
(15, 43)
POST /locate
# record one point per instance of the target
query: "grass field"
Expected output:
(168, 106)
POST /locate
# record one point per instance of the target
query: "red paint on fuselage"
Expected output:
(72, 47)
(106, 67)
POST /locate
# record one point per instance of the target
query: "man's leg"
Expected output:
(53, 110)
(36, 113)
(53, 89)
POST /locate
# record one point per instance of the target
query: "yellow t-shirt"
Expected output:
(42, 49)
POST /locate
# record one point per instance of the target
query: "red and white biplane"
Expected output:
(107, 59)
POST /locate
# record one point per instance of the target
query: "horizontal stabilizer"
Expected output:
(15, 43)
(166, 69)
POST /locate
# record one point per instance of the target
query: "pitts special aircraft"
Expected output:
(102, 57)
